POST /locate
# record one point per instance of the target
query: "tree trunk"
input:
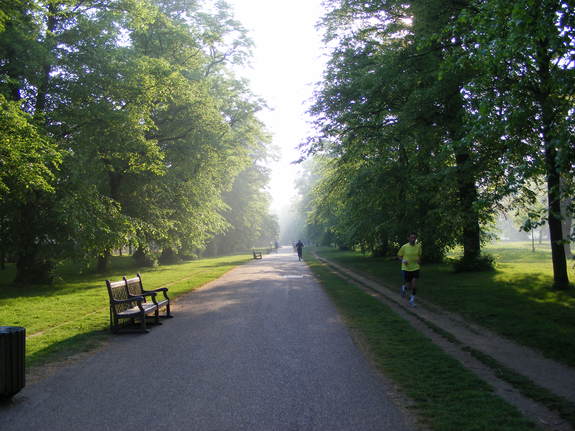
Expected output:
(567, 218)
(168, 256)
(142, 258)
(50, 43)
(102, 262)
(465, 177)
(115, 179)
(31, 268)
(433, 251)
(560, 277)
(553, 171)
(540, 235)
(25, 264)
(467, 192)
(403, 190)
(25, 246)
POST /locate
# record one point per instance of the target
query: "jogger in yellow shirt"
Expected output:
(410, 256)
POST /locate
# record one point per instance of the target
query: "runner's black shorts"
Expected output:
(410, 275)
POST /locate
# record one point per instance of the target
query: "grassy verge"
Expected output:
(446, 396)
(514, 301)
(72, 315)
(562, 406)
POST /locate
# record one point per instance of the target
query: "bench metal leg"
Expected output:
(157, 316)
(114, 325)
(143, 323)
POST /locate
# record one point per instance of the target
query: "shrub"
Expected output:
(484, 262)
(169, 257)
(144, 259)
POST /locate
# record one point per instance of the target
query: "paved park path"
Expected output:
(261, 348)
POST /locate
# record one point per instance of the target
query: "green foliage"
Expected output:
(247, 214)
(393, 128)
(28, 160)
(523, 94)
(145, 258)
(126, 113)
(29, 164)
(430, 113)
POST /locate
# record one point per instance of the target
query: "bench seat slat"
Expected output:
(163, 302)
(134, 311)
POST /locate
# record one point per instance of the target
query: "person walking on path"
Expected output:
(410, 256)
(299, 248)
(222, 369)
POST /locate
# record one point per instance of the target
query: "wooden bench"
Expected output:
(136, 288)
(123, 305)
(257, 254)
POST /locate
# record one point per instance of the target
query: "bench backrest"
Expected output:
(117, 290)
(134, 285)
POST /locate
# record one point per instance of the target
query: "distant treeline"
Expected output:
(121, 123)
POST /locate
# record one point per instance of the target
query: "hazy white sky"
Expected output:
(287, 62)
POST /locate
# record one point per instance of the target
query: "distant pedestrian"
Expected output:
(410, 256)
(299, 248)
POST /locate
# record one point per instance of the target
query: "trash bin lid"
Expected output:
(11, 329)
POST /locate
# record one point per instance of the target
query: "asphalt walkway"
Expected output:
(261, 348)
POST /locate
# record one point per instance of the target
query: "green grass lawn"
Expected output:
(72, 315)
(514, 300)
(446, 396)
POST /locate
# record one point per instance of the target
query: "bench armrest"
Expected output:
(164, 290)
(145, 293)
(159, 289)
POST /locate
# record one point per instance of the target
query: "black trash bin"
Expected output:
(12, 356)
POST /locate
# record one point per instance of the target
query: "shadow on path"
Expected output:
(261, 348)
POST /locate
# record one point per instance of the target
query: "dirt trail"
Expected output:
(546, 373)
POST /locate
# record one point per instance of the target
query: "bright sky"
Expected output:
(287, 62)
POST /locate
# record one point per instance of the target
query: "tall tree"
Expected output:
(524, 52)
(29, 162)
(386, 100)
(136, 99)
